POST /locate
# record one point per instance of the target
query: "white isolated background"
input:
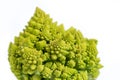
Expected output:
(98, 19)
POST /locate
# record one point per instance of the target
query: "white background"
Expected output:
(98, 19)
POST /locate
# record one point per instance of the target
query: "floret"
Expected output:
(46, 51)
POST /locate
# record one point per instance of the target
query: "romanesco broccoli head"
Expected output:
(46, 51)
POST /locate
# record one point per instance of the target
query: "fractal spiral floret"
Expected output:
(46, 51)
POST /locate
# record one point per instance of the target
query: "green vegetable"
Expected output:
(46, 51)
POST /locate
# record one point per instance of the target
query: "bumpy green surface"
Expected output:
(45, 51)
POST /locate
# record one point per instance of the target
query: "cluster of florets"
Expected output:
(45, 51)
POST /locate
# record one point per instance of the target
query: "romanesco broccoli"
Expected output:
(46, 51)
